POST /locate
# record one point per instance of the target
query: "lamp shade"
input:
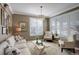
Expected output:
(18, 29)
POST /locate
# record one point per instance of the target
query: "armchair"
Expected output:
(48, 35)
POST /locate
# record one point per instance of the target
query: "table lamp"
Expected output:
(18, 30)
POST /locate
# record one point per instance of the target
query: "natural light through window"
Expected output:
(36, 26)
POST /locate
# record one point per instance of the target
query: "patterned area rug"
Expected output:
(50, 49)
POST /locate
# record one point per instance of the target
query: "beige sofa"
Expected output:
(14, 46)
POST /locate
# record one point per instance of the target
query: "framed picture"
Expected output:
(23, 26)
(4, 30)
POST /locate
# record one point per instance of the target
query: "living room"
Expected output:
(39, 28)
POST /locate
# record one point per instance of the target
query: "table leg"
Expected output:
(61, 49)
(41, 51)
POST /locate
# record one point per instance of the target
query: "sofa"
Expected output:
(14, 45)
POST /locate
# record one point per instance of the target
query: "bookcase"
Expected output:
(5, 19)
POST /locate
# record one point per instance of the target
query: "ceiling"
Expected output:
(33, 9)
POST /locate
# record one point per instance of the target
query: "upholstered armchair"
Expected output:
(48, 35)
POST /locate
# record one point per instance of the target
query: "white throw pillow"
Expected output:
(61, 42)
(16, 38)
(11, 41)
(20, 37)
(70, 38)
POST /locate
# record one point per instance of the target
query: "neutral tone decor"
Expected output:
(51, 49)
(14, 43)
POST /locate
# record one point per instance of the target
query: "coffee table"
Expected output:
(39, 47)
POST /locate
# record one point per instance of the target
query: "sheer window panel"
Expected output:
(64, 29)
(53, 25)
(58, 27)
(39, 27)
(32, 26)
(36, 26)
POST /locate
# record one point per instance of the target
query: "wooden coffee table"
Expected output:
(39, 47)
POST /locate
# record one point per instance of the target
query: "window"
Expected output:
(58, 27)
(53, 25)
(64, 31)
(36, 26)
(66, 24)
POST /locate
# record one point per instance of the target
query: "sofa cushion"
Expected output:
(20, 45)
(2, 47)
(70, 38)
(61, 42)
(11, 41)
(25, 51)
(18, 38)
(4, 37)
(48, 33)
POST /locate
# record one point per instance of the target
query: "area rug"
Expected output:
(51, 49)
